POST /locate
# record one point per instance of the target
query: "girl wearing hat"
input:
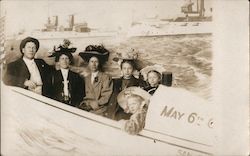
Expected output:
(98, 85)
(152, 75)
(68, 86)
(134, 100)
(128, 66)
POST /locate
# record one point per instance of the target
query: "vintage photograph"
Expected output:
(119, 77)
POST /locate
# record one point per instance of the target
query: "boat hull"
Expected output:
(36, 125)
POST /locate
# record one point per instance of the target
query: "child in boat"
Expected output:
(153, 76)
(134, 100)
(129, 65)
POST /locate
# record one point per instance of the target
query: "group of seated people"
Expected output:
(125, 98)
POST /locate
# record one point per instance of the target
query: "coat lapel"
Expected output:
(88, 84)
(59, 76)
(24, 69)
(98, 80)
(132, 82)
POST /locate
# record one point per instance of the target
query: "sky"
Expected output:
(108, 14)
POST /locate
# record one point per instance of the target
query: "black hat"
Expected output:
(29, 39)
(95, 50)
(63, 50)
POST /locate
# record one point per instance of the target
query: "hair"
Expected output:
(157, 73)
(131, 62)
(135, 96)
(66, 54)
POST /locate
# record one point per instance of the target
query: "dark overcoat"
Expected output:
(76, 87)
(17, 73)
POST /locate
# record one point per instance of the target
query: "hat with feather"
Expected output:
(98, 51)
(63, 49)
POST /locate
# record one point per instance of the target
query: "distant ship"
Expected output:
(53, 30)
(194, 22)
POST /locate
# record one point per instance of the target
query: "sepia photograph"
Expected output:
(124, 77)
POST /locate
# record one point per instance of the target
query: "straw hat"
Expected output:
(129, 54)
(158, 68)
(122, 97)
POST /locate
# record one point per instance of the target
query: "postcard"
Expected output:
(124, 77)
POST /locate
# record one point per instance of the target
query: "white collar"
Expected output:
(65, 73)
(64, 70)
(26, 60)
(94, 74)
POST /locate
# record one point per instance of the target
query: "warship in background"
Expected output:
(193, 21)
(52, 30)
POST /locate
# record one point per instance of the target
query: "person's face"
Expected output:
(64, 61)
(153, 79)
(127, 70)
(133, 105)
(29, 50)
(93, 64)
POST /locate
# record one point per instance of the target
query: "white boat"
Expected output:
(35, 125)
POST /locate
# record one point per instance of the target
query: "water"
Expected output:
(188, 57)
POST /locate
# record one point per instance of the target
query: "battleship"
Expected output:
(193, 21)
(52, 30)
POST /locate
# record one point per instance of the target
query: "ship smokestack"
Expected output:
(71, 21)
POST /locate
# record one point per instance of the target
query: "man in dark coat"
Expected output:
(28, 72)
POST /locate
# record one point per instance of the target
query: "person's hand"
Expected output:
(30, 84)
(131, 127)
(84, 106)
(94, 105)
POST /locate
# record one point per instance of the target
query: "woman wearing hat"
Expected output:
(28, 72)
(128, 66)
(98, 85)
(68, 86)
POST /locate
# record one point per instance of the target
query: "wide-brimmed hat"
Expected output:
(131, 55)
(158, 68)
(98, 51)
(122, 97)
(63, 49)
(29, 39)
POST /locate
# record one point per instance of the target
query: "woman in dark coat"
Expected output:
(68, 86)
(128, 66)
